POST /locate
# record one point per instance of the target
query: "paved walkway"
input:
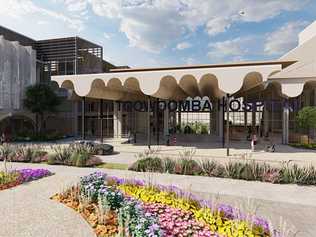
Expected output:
(239, 151)
(27, 211)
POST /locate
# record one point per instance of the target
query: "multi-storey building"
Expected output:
(25, 61)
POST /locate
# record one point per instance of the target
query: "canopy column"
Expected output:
(220, 120)
(314, 104)
(245, 118)
(148, 124)
(285, 124)
(117, 120)
(83, 118)
(265, 119)
(166, 122)
(179, 119)
(227, 124)
(75, 117)
(253, 118)
(101, 119)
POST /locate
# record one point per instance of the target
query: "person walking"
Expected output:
(3, 138)
(253, 142)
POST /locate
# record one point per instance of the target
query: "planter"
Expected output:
(304, 139)
(10, 185)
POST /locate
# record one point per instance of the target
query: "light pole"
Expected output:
(148, 124)
(83, 118)
(227, 124)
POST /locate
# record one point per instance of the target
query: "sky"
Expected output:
(149, 33)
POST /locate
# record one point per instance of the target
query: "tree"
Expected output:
(306, 119)
(41, 99)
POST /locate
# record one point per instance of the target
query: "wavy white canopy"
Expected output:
(176, 84)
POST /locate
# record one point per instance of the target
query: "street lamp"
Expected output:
(227, 124)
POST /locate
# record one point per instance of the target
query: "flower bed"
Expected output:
(16, 177)
(132, 208)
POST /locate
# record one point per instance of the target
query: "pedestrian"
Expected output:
(3, 138)
(253, 142)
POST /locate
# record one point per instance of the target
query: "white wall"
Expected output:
(17, 71)
(308, 33)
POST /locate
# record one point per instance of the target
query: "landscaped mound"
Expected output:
(73, 155)
(23, 153)
(16, 177)
(120, 207)
(245, 170)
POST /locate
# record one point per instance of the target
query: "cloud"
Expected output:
(41, 22)
(20, 9)
(244, 48)
(108, 35)
(76, 5)
(231, 50)
(153, 25)
(217, 25)
(190, 61)
(283, 39)
(183, 45)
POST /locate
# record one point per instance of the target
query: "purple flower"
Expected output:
(33, 174)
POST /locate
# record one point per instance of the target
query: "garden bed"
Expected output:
(311, 146)
(17, 177)
(120, 207)
(245, 170)
(73, 155)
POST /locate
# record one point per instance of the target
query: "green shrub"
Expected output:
(149, 164)
(249, 170)
(254, 171)
(51, 159)
(6, 152)
(187, 166)
(8, 177)
(271, 175)
(298, 175)
(62, 154)
(82, 159)
(194, 128)
(23, 153)
(303, 145)
(33, 154)
(38, 156)
(93, 161)
(209, 167)
(234, 170)
(74, 155)
(169, 165)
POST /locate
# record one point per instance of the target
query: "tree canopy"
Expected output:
(306, 117)
(41, 98)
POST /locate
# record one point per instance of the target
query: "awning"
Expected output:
(213, 81)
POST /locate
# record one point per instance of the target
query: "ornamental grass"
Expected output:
(244, 170)
(139, 209)
(23, 153)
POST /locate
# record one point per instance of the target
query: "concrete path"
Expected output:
(213, 150)
(239, 151)
(26, 210)
(127, 154)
